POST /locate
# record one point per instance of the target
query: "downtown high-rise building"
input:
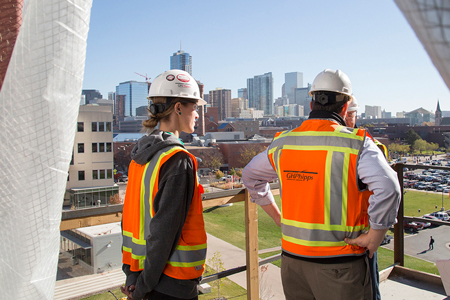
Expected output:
(292, 81)
(131, 95)
(181, 61)
(242, 93)
(91, 95)
(221, 98)
(260, 93)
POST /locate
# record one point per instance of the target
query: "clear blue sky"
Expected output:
(230, 41)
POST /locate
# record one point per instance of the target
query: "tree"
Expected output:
(239, 171)
(411, 136)
(212, 159)
(216, 264)
(219, 174)
(249, 151)
(233, 172)
(420, 145)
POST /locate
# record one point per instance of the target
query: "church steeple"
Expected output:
(438, 115)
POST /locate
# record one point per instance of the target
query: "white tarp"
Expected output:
(39, 104)
(430, 20)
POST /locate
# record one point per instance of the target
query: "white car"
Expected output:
(443, 216)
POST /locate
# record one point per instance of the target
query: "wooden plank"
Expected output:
(251, 241)
(399, 234)
(67, 224)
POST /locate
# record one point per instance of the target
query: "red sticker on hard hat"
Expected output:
(170, 77)
(183, 78)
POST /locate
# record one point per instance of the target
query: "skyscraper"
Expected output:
(302, 98)
(260, 92)
(181, 61)
(221, 98)
(242, 93)
(292, 81)
(134, 95)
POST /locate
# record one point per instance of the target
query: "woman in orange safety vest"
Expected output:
(164, 239)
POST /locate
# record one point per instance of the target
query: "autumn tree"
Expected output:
(212, 160)
(411, 136)
(249, 151)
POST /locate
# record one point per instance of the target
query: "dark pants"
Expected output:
(154, 295)
(375, 276)
(317, 281)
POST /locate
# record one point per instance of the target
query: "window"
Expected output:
(80, 127)
(109, 174)
(236, 136)
(101, 126)
(80, 175)
(71, 161)
(101, 147)
(80, 147)
(108, 126)
(68, 176)
(94, 147)
(211, 119)
(108, 147)
(94, 126)
(94, 174)
(102, 174)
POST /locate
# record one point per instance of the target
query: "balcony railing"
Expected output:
(113, 213)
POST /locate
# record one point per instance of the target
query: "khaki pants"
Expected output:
(340, 281)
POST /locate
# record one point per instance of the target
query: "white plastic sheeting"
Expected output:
(430, 20)
(39, 104)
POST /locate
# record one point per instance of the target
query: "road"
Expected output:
(417, 244)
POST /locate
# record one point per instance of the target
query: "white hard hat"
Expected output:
(175, 83)
(353, 106)
(332, 81)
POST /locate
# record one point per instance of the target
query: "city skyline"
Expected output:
(385, 61)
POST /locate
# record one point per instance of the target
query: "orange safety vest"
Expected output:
(321, 203)
(188, 259)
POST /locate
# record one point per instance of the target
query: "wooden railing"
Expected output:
(102, 215)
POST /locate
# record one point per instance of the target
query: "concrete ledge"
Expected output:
(417, 275)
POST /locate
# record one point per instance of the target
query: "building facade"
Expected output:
(91, 95)
(260, 93)
(221, 98)
(292, 81)
(373, 112)
(134, 95)
(90, 181)
(181, 61)
(242, 93)
(302, 98)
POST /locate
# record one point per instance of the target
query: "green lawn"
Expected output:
(425, 201)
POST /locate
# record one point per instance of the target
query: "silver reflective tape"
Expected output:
(136, 249)
(337, 168)
(317, 234)
(188, 256)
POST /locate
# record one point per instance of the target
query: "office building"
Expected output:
(260, 93)
(292, 81)
(91, 95)
(302, 98)
(221, 98)
(134, 95)
(90, 180)
(242, 93)
(373, 112)
(181, 61)
(238, 105)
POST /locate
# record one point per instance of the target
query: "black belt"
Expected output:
(326, 260)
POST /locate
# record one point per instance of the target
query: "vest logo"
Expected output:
(299, 175)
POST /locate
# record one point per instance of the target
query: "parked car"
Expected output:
(412, 226)
(387, 239)
(432, 218)
(443, 216)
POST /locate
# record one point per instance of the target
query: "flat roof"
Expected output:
(104, 229)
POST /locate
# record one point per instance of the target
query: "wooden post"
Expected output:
(251, 243)
(399, 233)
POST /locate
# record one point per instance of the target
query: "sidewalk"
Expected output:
(234, 257)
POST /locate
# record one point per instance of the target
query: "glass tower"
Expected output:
(134, 95)
(181, 61)
(260, 93)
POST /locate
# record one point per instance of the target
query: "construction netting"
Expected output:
(39, 103)
(430, 20)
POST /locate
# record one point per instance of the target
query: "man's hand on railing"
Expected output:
(371, 240)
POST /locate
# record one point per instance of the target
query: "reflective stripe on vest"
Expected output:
(187, 260)
(327, 159)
